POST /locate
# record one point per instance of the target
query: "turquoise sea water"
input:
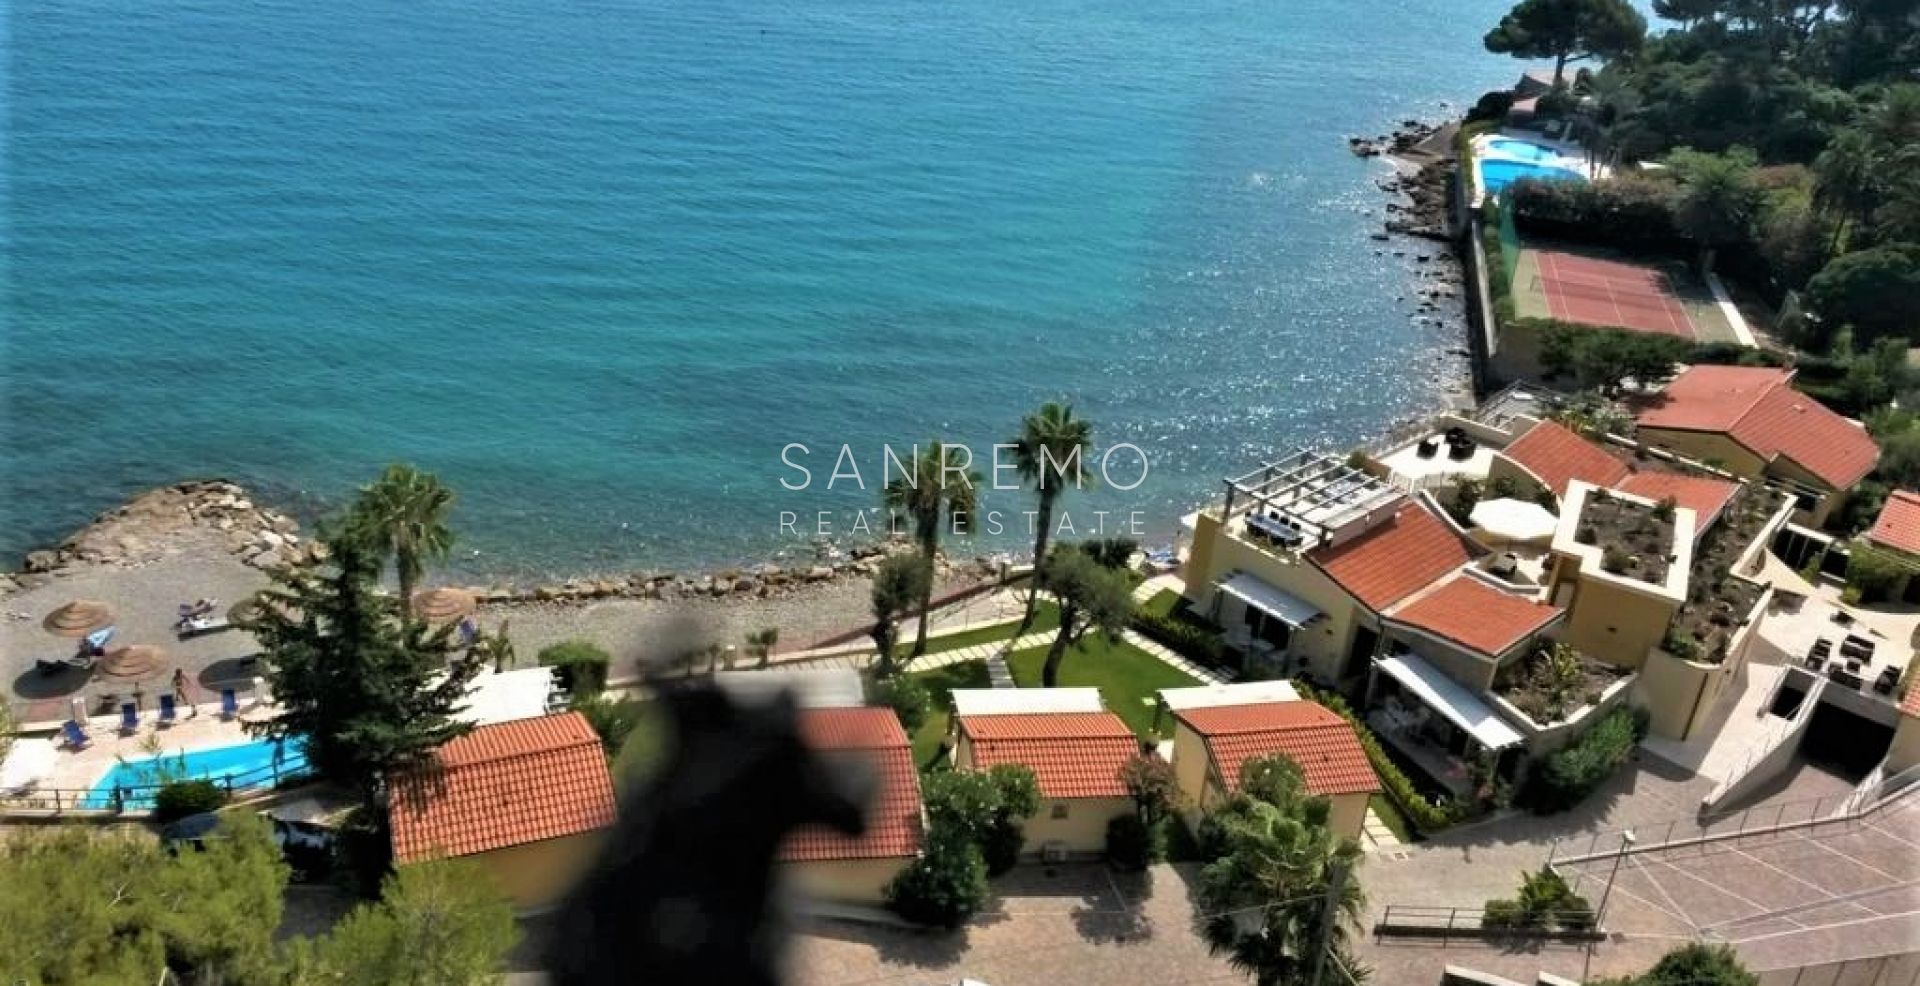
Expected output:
(596, 263)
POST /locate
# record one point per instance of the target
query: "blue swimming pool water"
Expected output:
(1524, 150)
(1496, 175)
(245, 765)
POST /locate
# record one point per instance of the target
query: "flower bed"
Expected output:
(1638, 539)
(1554, 682)
(1718, 600)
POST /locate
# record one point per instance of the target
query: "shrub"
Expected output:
(1874, 574)
(612, 719)
(986, 808)
(579, 666)
(944, 887)
(1561, 780)
(1195, 643)
(1630, 212)
(1545, 902)
(1492, 105)
(909, 699)
(179, 799)
(1500, 913)
(1132, 844)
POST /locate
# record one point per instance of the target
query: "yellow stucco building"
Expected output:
(1076, 759)
(827, 865)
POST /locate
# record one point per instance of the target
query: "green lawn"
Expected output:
(1390, 815)
(1162, 604)
(1128, 677)
(942, 681)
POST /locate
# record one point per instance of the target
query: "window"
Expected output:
(1059, 809)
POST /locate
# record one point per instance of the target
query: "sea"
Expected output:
(606, 267)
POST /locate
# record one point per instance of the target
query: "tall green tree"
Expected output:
(1568, 30)
(1092, 597)
(438, 923)
(1847, 182)
(1263, 900)
(1876, 292)
(939, 489)
(899, 583)
(402, 516)
(1718, 199)
(93, 907)
(365, 688)
(1051, 454)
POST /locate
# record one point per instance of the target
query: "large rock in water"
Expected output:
(42, 561)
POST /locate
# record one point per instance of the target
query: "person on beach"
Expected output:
(180, 692)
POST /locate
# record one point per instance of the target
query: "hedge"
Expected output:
(580, 666)
(181, 799)
(1636, 213)
(1563, 779)
(1195, 643)
(1425, 815)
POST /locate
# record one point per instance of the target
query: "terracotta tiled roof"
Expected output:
(1704, 495)
(1073, 754)
(1899, 524)
(1475, 615)
(1321, 742)
(1711, 398)
(1789, 423)
(1910, 705)
(1393, 560)
(503, 785)
(1756, 407)
(1556, 455)
(870, 739)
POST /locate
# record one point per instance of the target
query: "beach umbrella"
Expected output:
(255, 607)
(132, 665)
(78, 618)
(1508, 519)
(444, 605)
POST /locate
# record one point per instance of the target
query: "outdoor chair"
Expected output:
(1427, 448)
(75, 735)
(169, 714)
(229, 703)
(129, 717)
(1889, 677)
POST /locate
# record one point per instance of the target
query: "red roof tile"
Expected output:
(1899, 524)
(1395, 559)
(1704, 495)
(871, 739)
(1756, 407)
(503, 785)
(1557, 455)
(1475, 615)
(1910, 704)
(1321, 742)
(1073, 754)
(1711, 398)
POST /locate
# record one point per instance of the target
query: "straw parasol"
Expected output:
(444, 605)
(78, 618)
(132, 665)
(255, 607)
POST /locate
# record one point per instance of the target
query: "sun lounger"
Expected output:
(200, 625)
(129, 717)
(76, 737)
(168, 713)
(229, 703)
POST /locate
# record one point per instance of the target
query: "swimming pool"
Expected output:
(261, 763)
(1522, 150)
(1497, 174)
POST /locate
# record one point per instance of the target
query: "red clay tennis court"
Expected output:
(1593, 291)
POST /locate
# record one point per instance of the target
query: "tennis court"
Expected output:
(1594, 286)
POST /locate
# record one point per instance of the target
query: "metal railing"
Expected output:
(130, 799)
(1445, 923)
(1832, 809)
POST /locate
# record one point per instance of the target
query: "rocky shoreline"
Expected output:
(215, 514)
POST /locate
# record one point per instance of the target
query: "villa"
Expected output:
(528, 799)
(1218, 728)
(1751, 422)
(827, 865)
(1076, 758)
(1897, 532)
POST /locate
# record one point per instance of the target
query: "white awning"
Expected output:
(1020, 701)
(1272, 601)
(1451, 699)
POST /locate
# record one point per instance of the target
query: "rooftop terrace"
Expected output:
(1307, 500)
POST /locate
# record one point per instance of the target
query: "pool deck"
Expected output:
(82, 769)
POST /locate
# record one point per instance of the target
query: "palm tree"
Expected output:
(1264, 900)
(760, 645)
(1051, 454)
(403, 516)
(938, 488)
(1846, 182)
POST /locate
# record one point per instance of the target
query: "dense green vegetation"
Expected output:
(1692, 964)
(973, 831)
(1563, 779)
(1414, 809)
(940, 683)
(1544, 902)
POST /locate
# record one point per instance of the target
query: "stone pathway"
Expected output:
(1376, 836)
(1200, 674)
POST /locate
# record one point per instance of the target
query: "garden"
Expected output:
(1718, 602)
(1554, 681)
(1638, 539)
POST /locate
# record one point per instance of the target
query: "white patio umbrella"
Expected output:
(1508, 519)
(28, 763)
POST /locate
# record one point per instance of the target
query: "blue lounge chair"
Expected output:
(76, 736)
(229, 703)
(168, 713)
(129, 717)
